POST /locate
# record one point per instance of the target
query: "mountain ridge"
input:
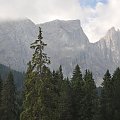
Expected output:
(67, 45)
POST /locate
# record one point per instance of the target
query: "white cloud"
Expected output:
(94, 21)
(103, 17)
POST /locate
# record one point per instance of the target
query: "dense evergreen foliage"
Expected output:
(116, 94)
(9, 105)
(48, 95)
(77, 84)
(106, 98)
(90, 96)
(1, 85)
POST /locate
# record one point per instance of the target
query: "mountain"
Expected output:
(15, 39)
(67, 45)
(107, 52)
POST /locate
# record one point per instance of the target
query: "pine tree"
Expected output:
(65, 101)
(77, 94)
(116, 95)
(48, 95)
(64, 98)
(90, 96)
(57, 95)
(35, 84)
(9, 106)
(58, 81)
(1, 85)
(60, 73)
(106, 109)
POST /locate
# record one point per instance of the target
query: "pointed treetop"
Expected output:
(40, 34)
(77, 72)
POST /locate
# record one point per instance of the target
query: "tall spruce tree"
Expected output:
(106, 109)
(36, 90)
(90, 96)
(9, 106)
(77, 94)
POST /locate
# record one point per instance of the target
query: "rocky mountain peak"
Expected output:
(67, 45)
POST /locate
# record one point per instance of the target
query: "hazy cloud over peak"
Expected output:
(96, 16)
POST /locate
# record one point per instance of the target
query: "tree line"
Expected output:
(48, 95)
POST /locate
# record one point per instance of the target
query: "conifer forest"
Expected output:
(48, 95)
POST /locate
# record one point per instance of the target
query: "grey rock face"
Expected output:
(67, 45)
(15, 39)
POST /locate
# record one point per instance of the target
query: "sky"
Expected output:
(96, 16)
(91, 3)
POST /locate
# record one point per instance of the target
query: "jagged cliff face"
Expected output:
(67, 45)
(110, 46)
(15, 39)
(105, 54)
